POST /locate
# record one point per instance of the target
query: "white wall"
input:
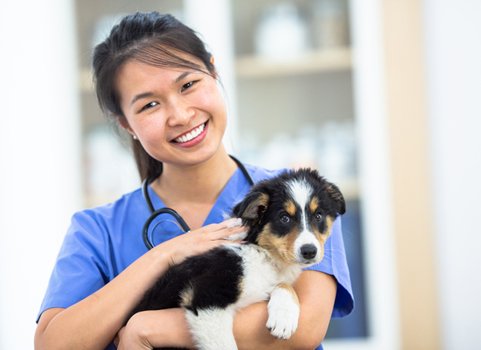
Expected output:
(370, 97)
(453, 49)
(39, 155)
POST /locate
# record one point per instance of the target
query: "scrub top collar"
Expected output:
(233, 191)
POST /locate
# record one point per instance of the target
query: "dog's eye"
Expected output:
(285, 219)
(318, 217)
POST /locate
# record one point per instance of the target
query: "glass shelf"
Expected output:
(326, 60)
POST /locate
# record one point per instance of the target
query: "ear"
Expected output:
(252, 206)
(336, 195)
(124, 124)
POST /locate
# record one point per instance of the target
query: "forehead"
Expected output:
(294, 195)
(159, 66)
(133, 75)
(300, 191)
(160, 60)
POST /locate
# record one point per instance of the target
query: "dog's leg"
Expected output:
(212, 328)
(283, 310)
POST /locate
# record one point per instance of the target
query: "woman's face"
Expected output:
(178, 114)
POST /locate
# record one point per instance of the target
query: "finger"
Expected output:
(117, 337)
(223, 234)
(234, 222)
(237, 236)
(210, 228)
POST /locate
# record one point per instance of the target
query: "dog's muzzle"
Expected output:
(308, 252)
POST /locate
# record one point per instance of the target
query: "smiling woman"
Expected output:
(165, 107)
(156, 46)
(155, 77)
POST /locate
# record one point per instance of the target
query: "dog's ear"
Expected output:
(336, 195)
(252, 206)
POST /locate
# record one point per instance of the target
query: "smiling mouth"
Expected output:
(189, 136)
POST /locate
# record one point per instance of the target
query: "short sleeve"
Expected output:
(334, 263)
(79, 270)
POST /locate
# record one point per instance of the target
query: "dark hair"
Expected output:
(152, 38)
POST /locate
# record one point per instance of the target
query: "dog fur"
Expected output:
(288, 219)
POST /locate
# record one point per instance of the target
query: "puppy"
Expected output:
(288, 219)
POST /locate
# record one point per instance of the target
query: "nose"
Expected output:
(308, 251)
(180, 112)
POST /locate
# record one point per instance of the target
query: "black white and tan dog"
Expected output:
(288, 219)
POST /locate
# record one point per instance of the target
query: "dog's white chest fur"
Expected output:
(261, 276)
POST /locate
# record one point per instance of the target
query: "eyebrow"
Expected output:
(141, 96)
(150, 94)
(182, 76)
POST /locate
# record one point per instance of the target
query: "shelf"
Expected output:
(312, 62)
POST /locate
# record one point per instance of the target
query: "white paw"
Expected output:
(283, 315)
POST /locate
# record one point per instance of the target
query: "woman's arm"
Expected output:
(168, 328)
(94, 322)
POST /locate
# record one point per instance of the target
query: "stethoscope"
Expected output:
(154, 213)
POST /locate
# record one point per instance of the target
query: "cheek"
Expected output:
(151, 134)
(150, 131)
(211, 101)
(323, 230)
(280, 247)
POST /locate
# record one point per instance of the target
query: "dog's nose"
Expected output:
(308, 251)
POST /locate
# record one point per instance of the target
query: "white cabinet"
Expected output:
(294, 86)
(295, 107)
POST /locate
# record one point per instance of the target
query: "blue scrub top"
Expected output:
(103, 241)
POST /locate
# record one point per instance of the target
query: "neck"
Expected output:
(201, 183)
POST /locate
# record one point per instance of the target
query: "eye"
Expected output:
(285, 219)
(318, 217)
(188, 85)
(149, 105)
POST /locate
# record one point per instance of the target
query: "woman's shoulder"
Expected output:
(127, 205)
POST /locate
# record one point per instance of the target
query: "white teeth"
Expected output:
(191, 135)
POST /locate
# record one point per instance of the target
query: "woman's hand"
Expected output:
(132, 337)
(126, 340)
(201, 240)
(155, 329)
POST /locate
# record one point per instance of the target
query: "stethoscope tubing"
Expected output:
(180, 220)
(145, 232)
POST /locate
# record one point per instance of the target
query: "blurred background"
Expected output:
(382, 96)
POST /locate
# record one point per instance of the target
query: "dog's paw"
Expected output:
(282, 322)
(283, 315)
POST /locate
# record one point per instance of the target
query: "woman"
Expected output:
(154, 76)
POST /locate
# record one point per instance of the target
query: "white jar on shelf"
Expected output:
(329, 23)
(282, 33)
